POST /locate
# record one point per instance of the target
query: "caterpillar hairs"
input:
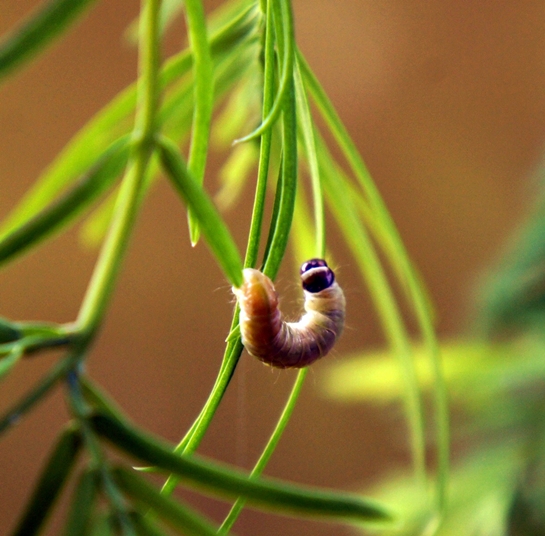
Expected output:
(284, 344)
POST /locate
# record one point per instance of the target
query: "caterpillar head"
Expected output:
(316, 275)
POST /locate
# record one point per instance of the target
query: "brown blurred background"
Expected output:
(444, 99)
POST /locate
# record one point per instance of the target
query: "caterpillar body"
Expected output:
(284, 344)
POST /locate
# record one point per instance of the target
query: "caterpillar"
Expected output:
(284, 344)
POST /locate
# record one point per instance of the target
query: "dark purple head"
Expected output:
(316, 275)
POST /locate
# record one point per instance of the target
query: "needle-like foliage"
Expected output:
(242, 70)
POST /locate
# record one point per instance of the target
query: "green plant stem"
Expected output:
(103, 279)
(256, 223)
(283, 18)
(269, 448)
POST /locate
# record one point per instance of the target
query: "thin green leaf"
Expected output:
(303, 231)
(234, 334)
(52, 218)
(36, 336)
(418, 297)
(204, 98)
(263, 493)
(306, 127)
(37, 31)
(215, 230)
(50, 483)
(83, 502)
(390, 317)
(44, 329)
(234, 346)
(174, 513)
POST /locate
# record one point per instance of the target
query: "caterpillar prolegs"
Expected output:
(291, 344)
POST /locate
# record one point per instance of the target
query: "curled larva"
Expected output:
(291, 344)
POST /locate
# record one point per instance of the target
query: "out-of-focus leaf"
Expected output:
(235, 173)
(102, 525)
(480, 492)
(95, 227)
(145, 526)
(37, 31)
(241, 107)
(475, 371)
(50, 483)
(9, 331)
(303, 236)
(262, 492)
(513, 296)
(306, 127)
(115, 120)
(97, 180)
(83, 502)
(203, 92)
(176, 514)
